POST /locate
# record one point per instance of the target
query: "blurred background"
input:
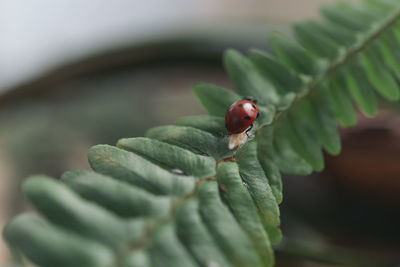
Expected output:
(78, 73)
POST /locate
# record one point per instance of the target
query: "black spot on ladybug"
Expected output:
(258, 114)
(247, 118)
(253, 106)
(240, 105)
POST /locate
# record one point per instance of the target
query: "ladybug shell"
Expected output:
(240, 116)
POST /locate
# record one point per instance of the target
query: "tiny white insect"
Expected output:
(177, 171)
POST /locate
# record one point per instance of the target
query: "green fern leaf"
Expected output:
(180, 196)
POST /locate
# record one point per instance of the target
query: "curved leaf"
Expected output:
(216, 100)
(211, 124)
(242, 206)
(171, 156)
(195, 140)
(257, 183)
(226, 231)
(129, 167)
(195, 236)
(117, 196)
(166, 250)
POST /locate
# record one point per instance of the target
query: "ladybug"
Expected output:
(241, 115)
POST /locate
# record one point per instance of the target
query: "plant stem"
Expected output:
(356, 49)
(346, 57)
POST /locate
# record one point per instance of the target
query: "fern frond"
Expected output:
(180, 197)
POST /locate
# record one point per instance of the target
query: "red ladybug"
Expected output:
(241, 115)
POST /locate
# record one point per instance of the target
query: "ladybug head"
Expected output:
(249, 98)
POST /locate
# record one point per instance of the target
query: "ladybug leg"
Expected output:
(248, 130)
